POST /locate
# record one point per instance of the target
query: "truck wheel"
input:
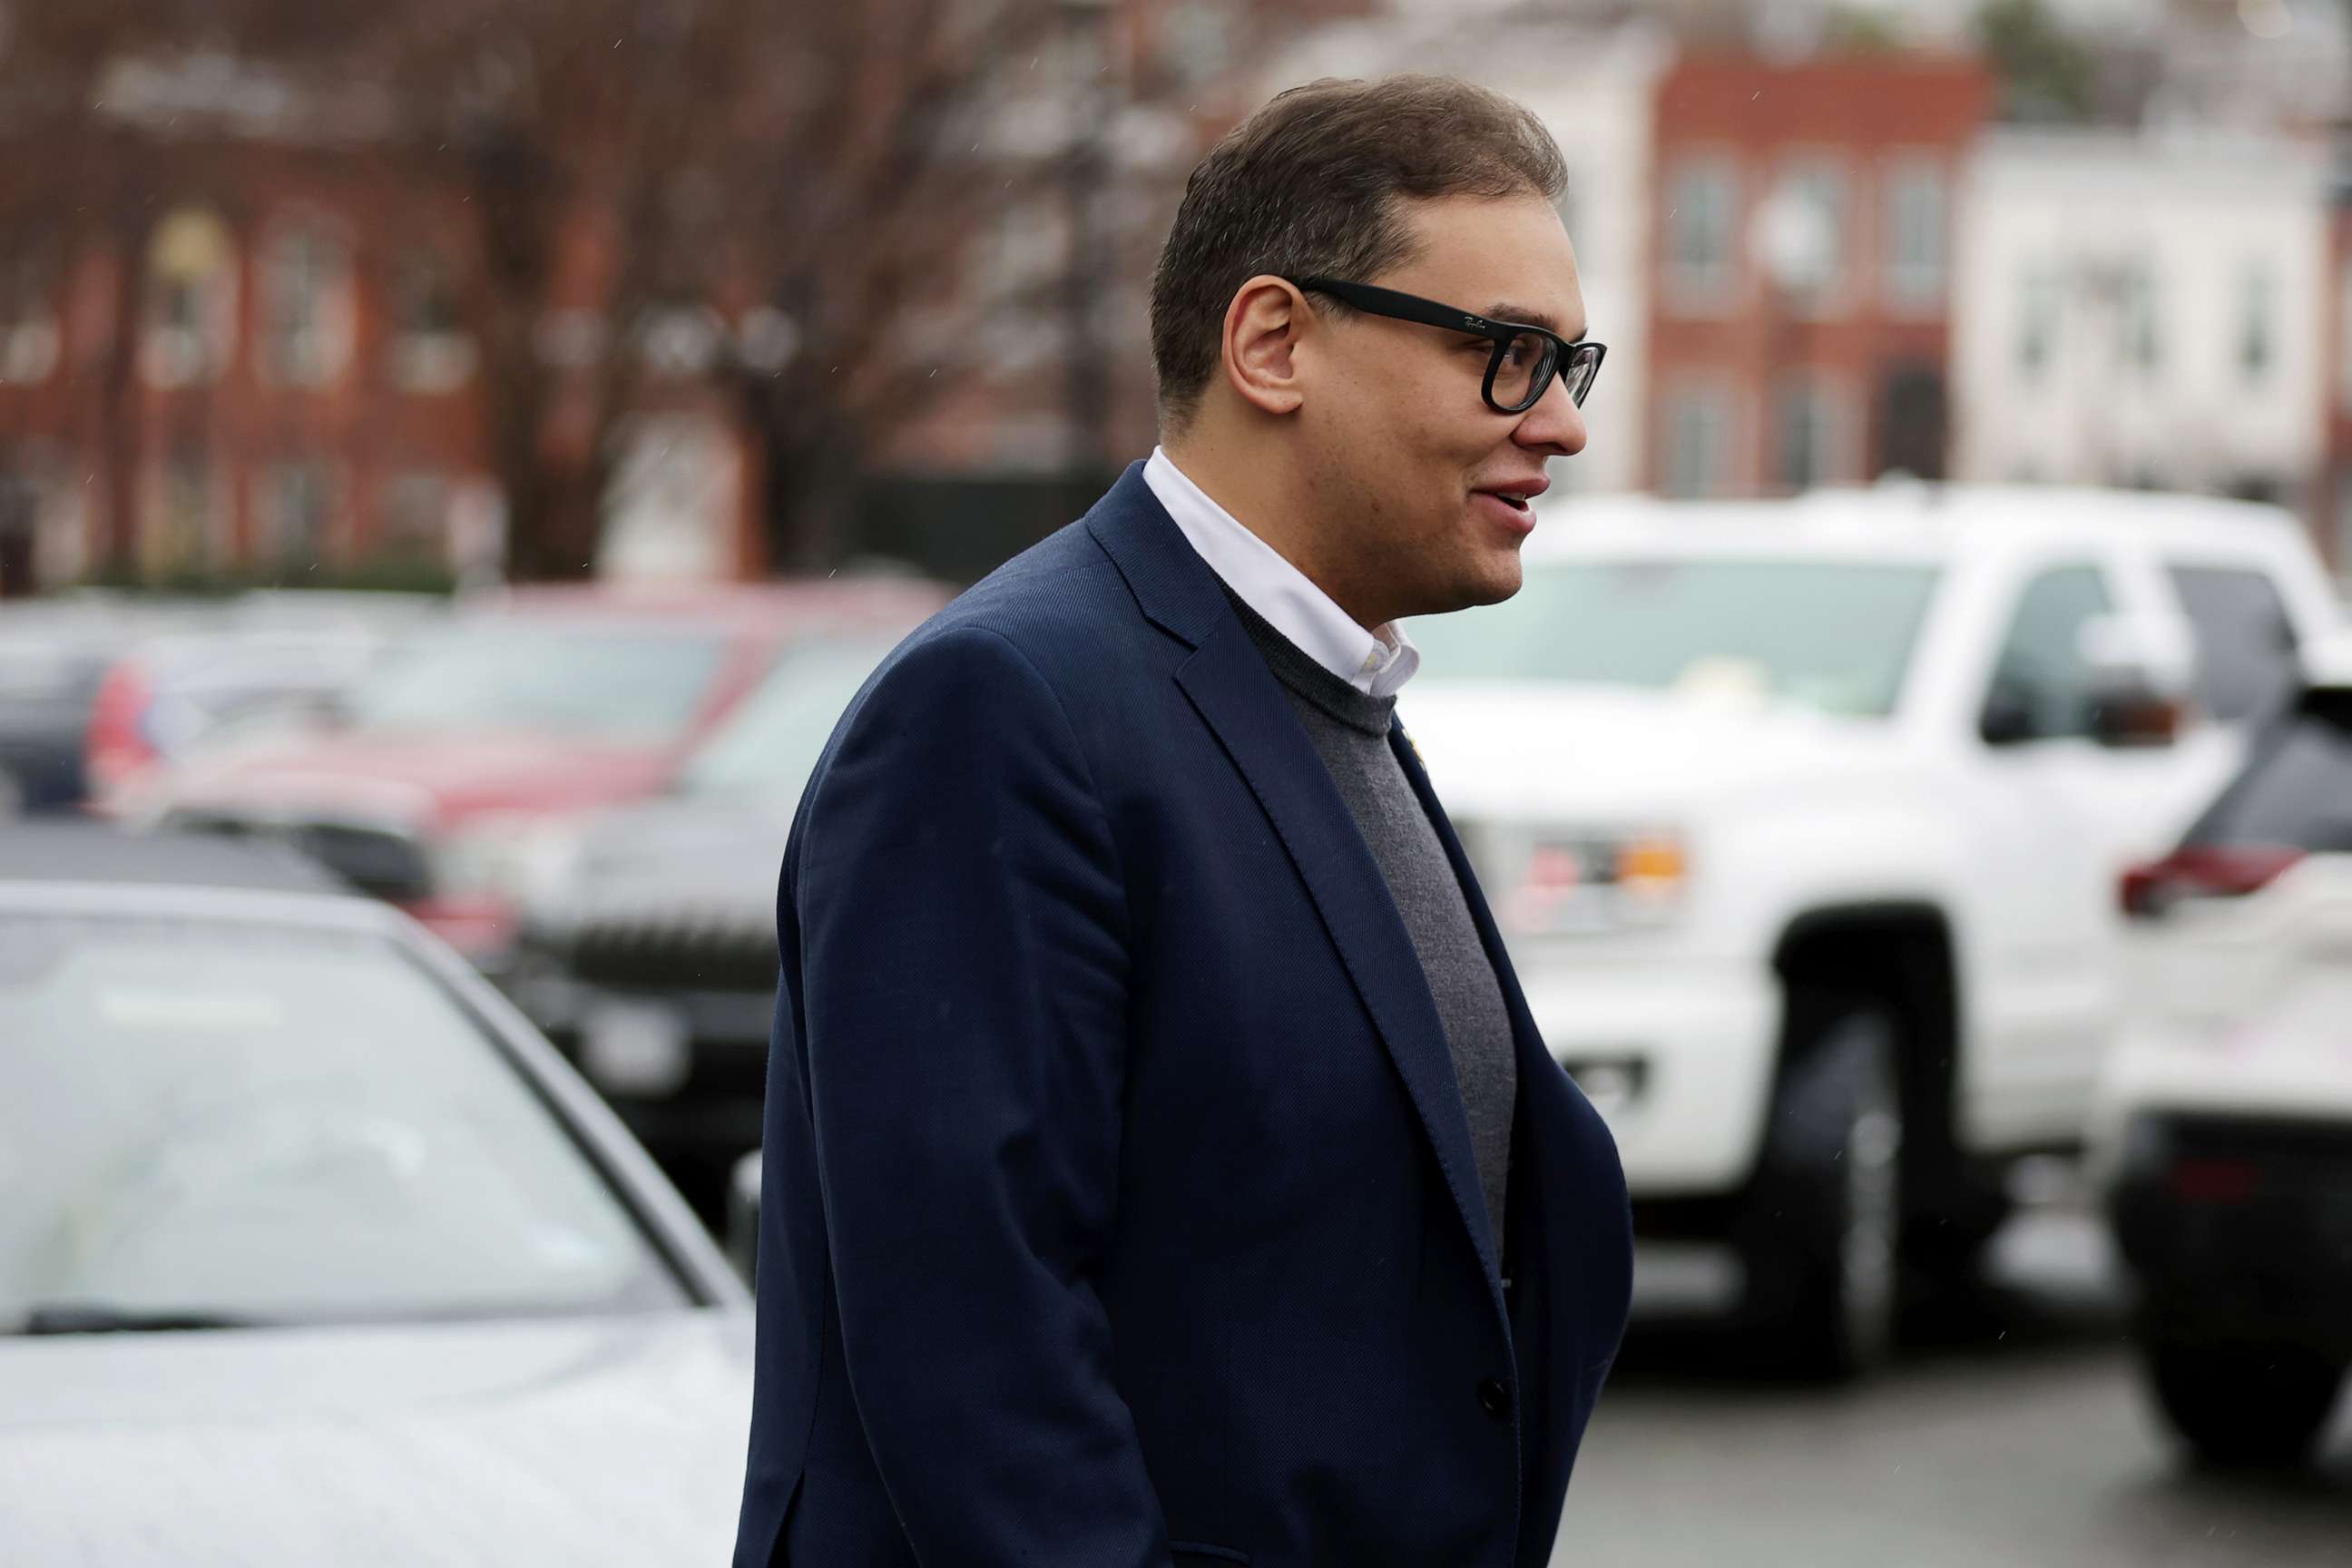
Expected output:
(2236, 1405)
(1819, 1224)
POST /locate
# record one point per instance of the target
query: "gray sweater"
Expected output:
(1350, 732)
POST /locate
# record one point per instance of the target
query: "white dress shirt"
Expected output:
(1377, 662)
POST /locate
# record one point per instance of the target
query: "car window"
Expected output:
(282, 1124)
(615, 684)
(770, 745)
(2041, 666)
(2246, 662)
(2295, 789)
(1832, 635)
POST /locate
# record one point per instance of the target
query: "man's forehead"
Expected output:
(1510, 260)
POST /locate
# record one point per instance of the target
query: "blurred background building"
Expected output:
(419, 303)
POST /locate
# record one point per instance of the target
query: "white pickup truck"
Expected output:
(1805, 822)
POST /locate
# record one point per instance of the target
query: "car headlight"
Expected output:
(1566, 882)
(525, 861)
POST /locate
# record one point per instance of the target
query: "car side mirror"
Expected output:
(743, 1217)
(2128, 718)
(2140, 669)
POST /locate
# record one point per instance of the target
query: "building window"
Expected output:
(1695, 432)
(413, 522)
(298, 511)
(182, 530)
(1911, 274)
(28, 315)
(2037, 332)
(1804, 234)
(2256, 294)
(431, 350)
(191, 300)
(1808, 429)
(2142, 345)
(2344, 336)
(1702, 226)
(307, 290)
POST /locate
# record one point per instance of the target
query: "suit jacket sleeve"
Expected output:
(964, 955)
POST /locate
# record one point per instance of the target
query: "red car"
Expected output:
(456, 780)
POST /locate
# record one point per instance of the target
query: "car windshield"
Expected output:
(606, 682)
(770, 748)
(2296, 790)
(1832, 635)
(281, 1124)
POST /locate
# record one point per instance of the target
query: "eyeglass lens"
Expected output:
(1526, 366)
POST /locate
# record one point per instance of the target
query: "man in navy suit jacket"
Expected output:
(1161, 1164)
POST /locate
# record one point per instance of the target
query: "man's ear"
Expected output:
(1263, 329)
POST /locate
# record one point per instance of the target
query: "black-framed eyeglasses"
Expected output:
(1526, 357)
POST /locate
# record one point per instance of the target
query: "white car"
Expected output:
(313, 1252)
(1803, 821)
(2224, 1133)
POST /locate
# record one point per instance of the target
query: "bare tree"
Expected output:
(775, 199)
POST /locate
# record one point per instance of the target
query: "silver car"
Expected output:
(314, 1251)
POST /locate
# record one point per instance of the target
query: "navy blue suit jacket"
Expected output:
(1118, 1204)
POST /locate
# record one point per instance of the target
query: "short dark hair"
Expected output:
(1312, 185)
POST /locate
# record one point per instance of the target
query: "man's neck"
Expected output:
(1257, 495)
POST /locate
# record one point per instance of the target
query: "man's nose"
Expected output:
(1555, 426)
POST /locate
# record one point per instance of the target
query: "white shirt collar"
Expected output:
(1376, 663)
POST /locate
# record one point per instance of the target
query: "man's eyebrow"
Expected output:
(1528, 316)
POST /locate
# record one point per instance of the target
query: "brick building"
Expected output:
(244, 355)
(233, 349)
(1800, 317)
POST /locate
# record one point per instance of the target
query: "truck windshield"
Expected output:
(1836, 636)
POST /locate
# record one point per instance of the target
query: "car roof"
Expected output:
(94, 855)
(1909, 520)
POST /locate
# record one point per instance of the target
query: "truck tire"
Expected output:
(1819, 1227)
(2240, 1404)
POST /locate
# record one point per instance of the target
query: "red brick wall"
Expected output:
(1856, 113)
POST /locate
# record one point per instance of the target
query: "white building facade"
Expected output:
(2140, 310)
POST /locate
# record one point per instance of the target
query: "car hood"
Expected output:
(614, 1441)
(1606, 754)
(714, 855)
(424, 777)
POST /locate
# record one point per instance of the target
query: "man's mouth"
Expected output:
(1516, 496)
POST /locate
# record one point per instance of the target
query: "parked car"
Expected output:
(255, 662)
(315, 1252)
(1803, 821)
(654, 964)
(2224, 1134)
(456, 780)
(54, 657)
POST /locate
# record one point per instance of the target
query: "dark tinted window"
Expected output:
(2296, 791)
(2042, 662)
(2245, 644)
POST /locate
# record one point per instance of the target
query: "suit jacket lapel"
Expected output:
(1527, 1044)
(1229, 684)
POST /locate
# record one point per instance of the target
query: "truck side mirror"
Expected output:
(2140, 669)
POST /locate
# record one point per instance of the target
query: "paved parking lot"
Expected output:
(2018, 1440)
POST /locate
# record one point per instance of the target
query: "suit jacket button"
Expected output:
(1494, 1398)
